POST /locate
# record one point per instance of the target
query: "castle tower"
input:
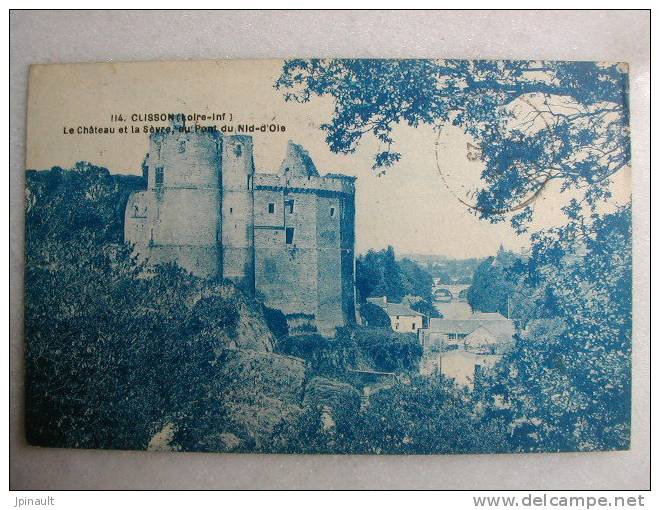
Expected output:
(238, 211)
(288, 237)
(178, 218)
(304, 243)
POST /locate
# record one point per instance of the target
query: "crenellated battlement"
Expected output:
(326, 183)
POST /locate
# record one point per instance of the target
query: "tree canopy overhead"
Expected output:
(535, 122)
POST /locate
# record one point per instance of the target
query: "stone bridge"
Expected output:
(449, 292)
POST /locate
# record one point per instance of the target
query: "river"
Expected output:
(454, 309)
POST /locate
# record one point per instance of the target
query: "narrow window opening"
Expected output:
(289, 235)
(160, 176)
(332, 212)
(271, 208)
(231, 210)
(289, 204)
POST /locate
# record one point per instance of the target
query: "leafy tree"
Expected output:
(379, 273)
(534, 121)
(493, 284)
(375, 316)
(418, 281)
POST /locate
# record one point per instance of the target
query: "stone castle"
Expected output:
(287, 237)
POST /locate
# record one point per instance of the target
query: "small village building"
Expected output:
(402, 318)
(489, 338)
(462, 366)
(461, 349)
(451, 333)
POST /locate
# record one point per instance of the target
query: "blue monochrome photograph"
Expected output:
(329, 256)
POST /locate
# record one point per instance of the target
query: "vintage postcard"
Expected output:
(329, 256)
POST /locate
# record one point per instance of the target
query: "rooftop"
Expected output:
(394, 309)
(400, 309)
(497, 326)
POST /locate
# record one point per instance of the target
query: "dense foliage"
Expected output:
(374, 316)
(379, 349)
(379, 273)
(416, 416)
(493, 284)
(566, 385)
(111, 354)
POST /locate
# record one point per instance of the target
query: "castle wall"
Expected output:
(347, 243)
(288, 237)
(178, 218)
(314, 275)
(328, 272)
(176, 225)
(188, 159)
(238, 211)
(285, 273)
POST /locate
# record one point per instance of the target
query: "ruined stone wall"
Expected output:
(178, 218)
(285, 273)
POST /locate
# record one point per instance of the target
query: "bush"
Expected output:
(375, 316)
(381, 348)
(324, 355)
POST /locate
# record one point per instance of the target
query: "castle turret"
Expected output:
(238, 211)
(288, 237)
(178, 218)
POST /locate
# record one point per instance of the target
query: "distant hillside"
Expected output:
(457, 271)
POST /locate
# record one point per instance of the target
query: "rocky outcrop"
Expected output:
(331, 394)
(259, 391)
(250, 332)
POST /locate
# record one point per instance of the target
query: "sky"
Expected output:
(413, 207)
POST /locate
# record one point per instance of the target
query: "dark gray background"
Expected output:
(101, 36)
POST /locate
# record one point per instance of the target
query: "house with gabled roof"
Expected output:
(402, 318)
(461, 349)
(451, 333)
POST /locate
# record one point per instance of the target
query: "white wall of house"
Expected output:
(406, 323)
(458, 365)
